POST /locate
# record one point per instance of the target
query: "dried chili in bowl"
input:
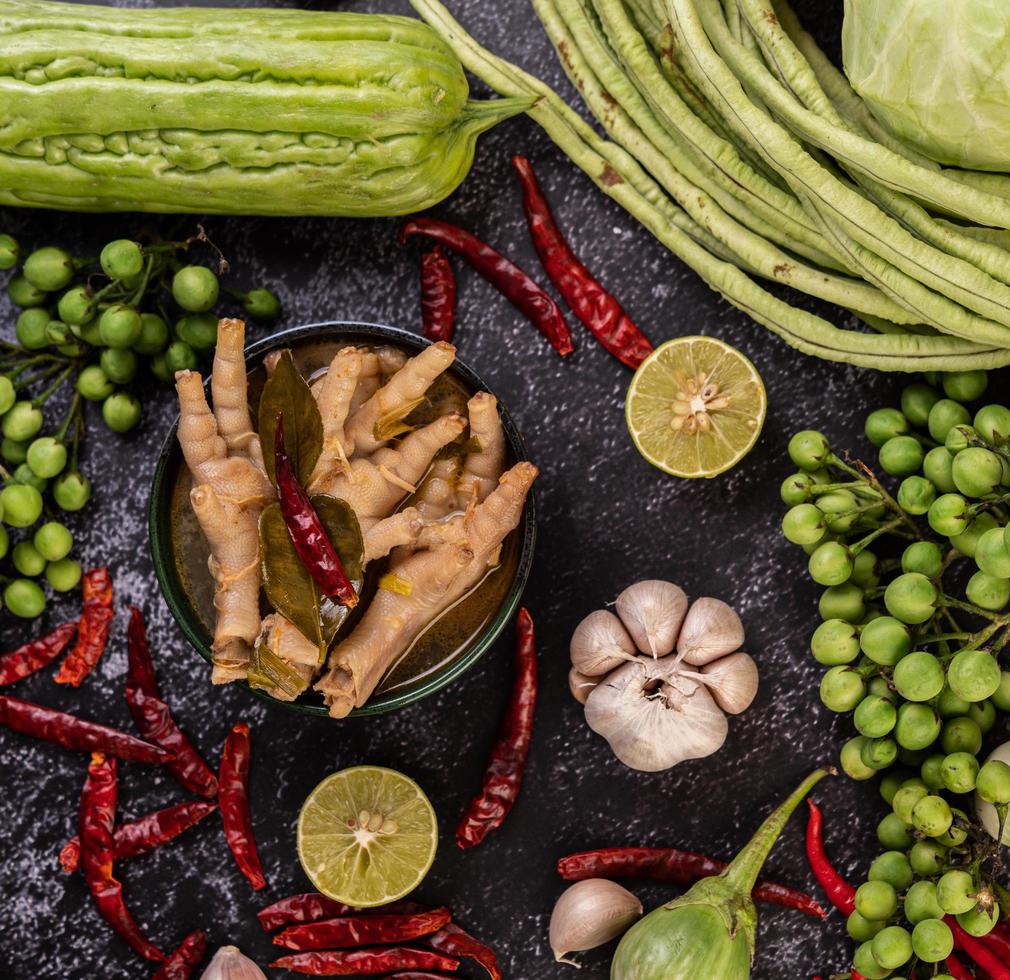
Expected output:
(75, 733)
(438, 296)
(503, 777)
(153, 718)
(97, 820)
(233, 797)
(513, 283)
(600, 312)
(135, 837)
(34, 655)
(93, 630)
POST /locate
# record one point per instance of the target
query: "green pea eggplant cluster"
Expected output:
(231, 111)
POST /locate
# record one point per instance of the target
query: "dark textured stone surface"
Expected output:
(607, 519)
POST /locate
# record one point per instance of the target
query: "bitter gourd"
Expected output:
(231, 111)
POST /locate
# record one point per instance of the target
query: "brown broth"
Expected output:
(448, 637)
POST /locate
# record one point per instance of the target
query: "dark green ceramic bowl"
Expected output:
(166, 568)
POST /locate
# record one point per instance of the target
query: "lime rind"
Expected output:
(389, 866)
(736, 428)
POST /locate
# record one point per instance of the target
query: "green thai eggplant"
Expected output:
(231, 111)
(709, 932)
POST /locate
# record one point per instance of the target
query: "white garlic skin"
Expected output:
(711, 630)
(589, 914)
(581, 685)
(600, 643)
(653, 717)
(732, 681)
(653, 611)
(230, 963)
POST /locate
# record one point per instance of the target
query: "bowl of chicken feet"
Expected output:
(342, 517)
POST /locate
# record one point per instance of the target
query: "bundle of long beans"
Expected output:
(739, 145)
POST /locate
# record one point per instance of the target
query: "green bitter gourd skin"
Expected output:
(231, 111)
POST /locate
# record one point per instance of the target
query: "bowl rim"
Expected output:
(174, 595)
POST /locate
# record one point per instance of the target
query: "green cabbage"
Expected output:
(936, 73)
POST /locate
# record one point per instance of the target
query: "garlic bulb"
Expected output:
(654, 716)
(653, 611)
(732, 681)
(711, 630)
(589, 914)
(600, 643)
(230, 964)
(580, 685)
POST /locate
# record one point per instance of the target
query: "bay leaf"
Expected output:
(287, 393)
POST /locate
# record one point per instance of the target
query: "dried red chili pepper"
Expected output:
(671, 865)
(998, 942)
(33, 656)
(454, 941)
(362, 930)
(98, 815)
(307, 907)
(153, 718)
(233, 796)
(93, 630)
(977, 951)
(306, 529)
(504, 774)
(75, 733)
(136, 837)
(415, 975)
(438, 295)
(516, 285)
(181, 964)
(378, 959)
(837, 890)
(600, 312)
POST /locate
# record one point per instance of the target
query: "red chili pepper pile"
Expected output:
(306, 529)
(315, 922)
(678, 867)
(488, 810)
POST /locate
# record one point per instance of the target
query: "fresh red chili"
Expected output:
(503, 777)
(362, 930)
(516, 285)
(600, 312)
(75, 733)
(181, 964)
(154, 720)
(35, 655)
(98, 814)
(454, 941)
(672, 865)
(838, 891)
(378, 959)
(136, 837)
(977, 951)
(93, 630)
(233, 796)
(307, 907)
(956, 969)
(438, 295)
(306, 529)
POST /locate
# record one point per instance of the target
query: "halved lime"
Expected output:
(367, 836)
(695, 407)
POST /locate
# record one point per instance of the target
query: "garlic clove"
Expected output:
(732, 681)
(654, 717)
(580, 685)
(653, 611)
(600, 643)
(229, 963)
(589, 914)
(711, 630)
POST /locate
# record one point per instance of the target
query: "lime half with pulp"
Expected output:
(695, 407)
(367, 836)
